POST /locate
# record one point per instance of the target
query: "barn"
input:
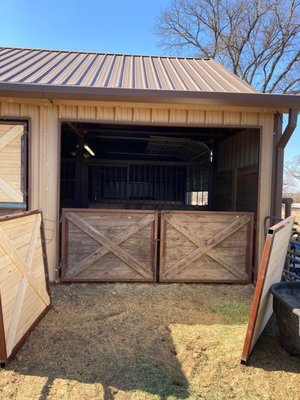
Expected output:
(146, 169)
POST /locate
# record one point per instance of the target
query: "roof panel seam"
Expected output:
(86, 71)
(19, 64)
(61, 71)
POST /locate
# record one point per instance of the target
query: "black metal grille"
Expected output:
(134, 185)
(138, 185)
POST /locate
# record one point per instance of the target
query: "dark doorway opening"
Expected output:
(154, 167)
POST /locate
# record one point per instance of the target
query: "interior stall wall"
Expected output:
(44, 142)
(236, 172)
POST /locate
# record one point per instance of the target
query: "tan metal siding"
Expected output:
(44, 144)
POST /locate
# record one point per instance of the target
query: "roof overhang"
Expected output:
(275, 101)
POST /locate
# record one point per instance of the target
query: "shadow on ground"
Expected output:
(126, 338)
(269, 355)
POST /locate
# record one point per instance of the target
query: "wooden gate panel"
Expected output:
(24, 288)
(205, 246)
(10, 163)
(109, 245)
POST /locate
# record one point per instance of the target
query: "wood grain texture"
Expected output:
(270, 272)
(23, 288)
(10, 163)
(205, 247)
(109, 245)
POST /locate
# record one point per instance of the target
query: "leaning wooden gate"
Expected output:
(24, 289)
(109, 245)
(205, 246)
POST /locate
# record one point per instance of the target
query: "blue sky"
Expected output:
(116, 26)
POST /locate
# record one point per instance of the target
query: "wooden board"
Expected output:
(109, 245)
(11, 176)
(205, 246)
(24, 288)
(270, 272)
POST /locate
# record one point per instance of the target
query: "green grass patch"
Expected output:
(237, 313)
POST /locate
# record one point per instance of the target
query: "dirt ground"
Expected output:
(144, 341)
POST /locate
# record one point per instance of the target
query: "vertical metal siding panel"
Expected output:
(178, 116)
(89, 112)
(49, 163)
(215, 117)
(232, 118)
(33, 112)
(124, 114)
(67, 111)
(10, 109)
(105, 113)
(80, 112)
(250, 118)
(142, 115)
(197, 117)
(13, 109)
(160, 116)
(265, 173)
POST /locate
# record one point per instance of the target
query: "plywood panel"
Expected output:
(270, 272)
(11, 177)
(205, 247)
(109, 245)
(24, 289)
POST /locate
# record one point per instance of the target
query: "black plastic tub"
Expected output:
(286, 305)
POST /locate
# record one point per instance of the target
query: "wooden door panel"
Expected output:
(205, 246)
(24, 289)
(11, 158)
(109, 245)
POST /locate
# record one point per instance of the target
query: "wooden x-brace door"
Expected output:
(205, 247)
(12, 164)
(24, 291)
(109, 245)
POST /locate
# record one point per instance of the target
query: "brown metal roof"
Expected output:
(58, 74)
(69, 68)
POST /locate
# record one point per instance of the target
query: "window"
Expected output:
(13, 165)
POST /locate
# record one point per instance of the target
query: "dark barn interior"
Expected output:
(158, 167)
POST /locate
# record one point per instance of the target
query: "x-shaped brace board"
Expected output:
(110, 245)
(204, 247)
(27, 279)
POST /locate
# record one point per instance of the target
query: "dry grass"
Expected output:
(135, 341)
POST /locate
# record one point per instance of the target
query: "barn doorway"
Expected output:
(158, 169)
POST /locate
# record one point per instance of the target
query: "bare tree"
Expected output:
(291, 184)
(259, 40)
